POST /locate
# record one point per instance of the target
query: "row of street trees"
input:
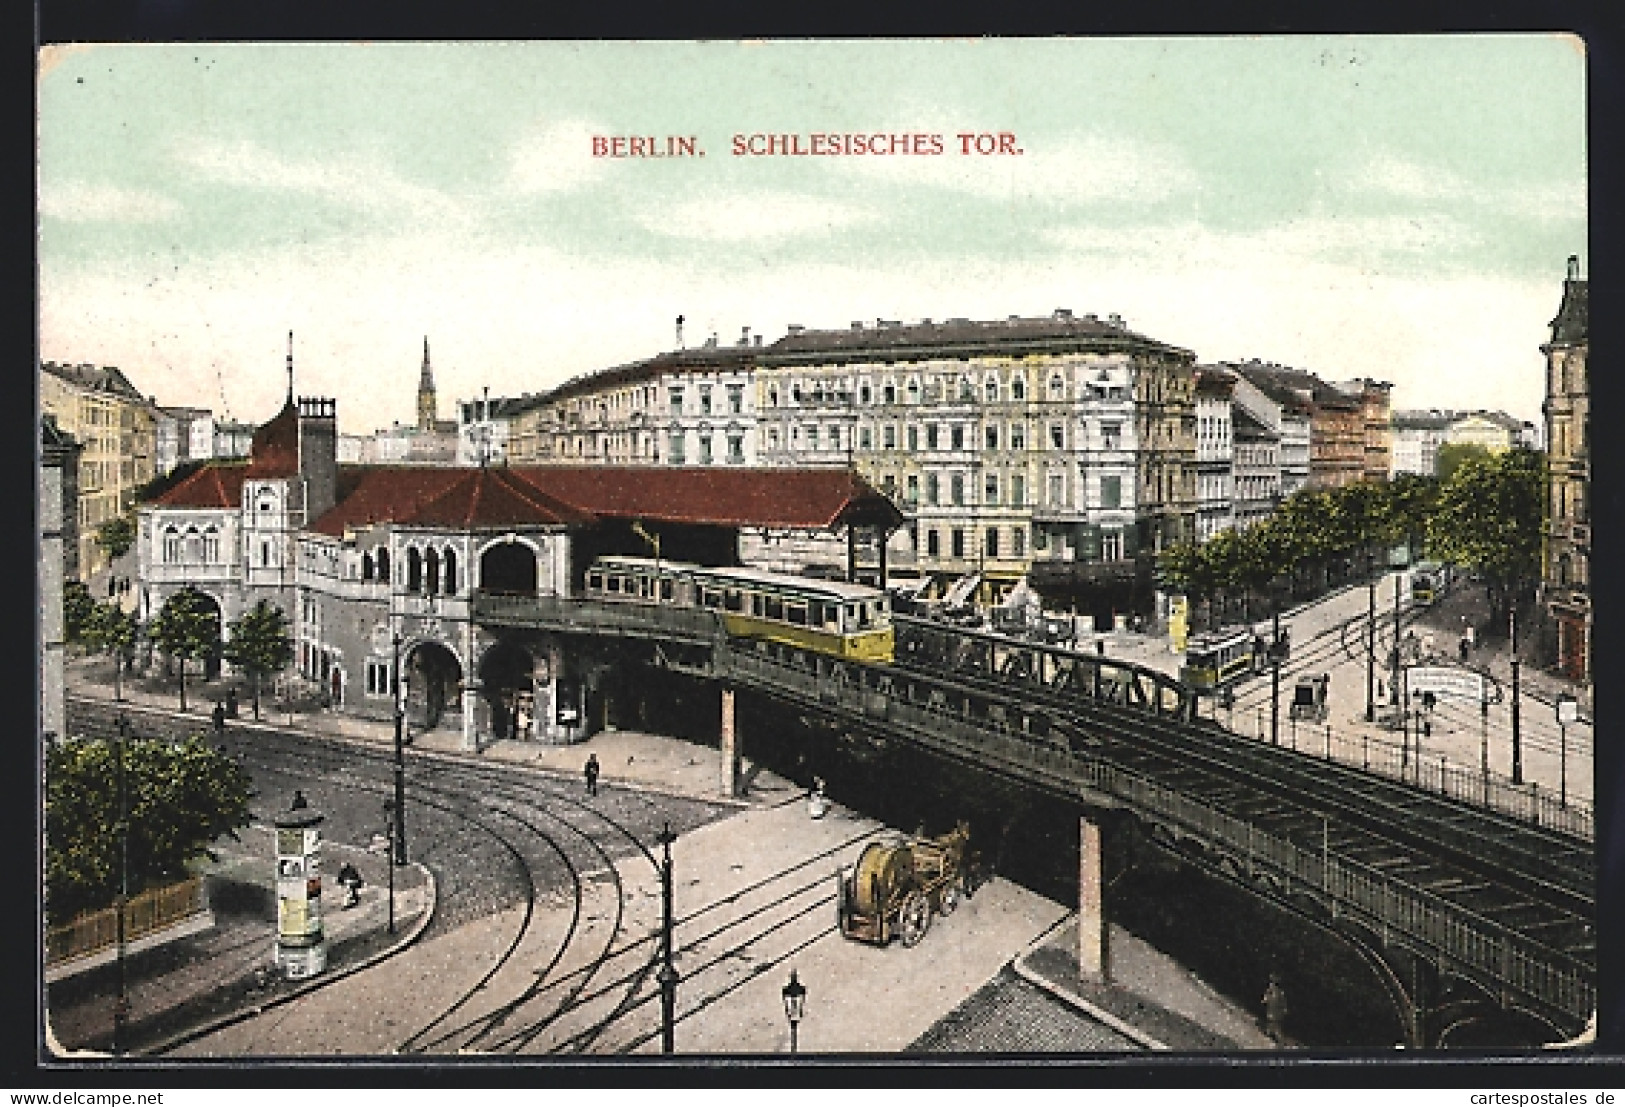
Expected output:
(186, 629)
(1487, 516)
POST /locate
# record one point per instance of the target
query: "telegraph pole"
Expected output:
(1517, 745)
(1275, 682)
(1370, 639)
(1393, 686)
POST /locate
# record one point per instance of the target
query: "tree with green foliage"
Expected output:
(1409, 503)
(113, 631)
(116, 536)
(1453, 455)
(179, 797)
(260, 645)
(78, 611)
(1489, 517)
(187, 627)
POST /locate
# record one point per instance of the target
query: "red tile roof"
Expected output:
(274, 451)
(493, 498)
(799, 498)
(215, 485)
(457, 497)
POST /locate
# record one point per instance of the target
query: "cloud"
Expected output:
(1085, 170)
(364, 184)
(79, 202)
(555, 158)
(1364, 242)
(1549, 201)
(753, 217)
(1392, 176)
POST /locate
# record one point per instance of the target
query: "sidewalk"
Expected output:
(1149, 997)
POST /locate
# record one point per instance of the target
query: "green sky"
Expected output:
(1390, 207)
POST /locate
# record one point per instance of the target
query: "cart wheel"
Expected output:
(913, 919)
(947, 900)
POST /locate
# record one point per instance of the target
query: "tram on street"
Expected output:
(1214, 661)
(1428, 581)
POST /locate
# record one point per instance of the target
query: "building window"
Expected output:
(864, 393)
(448, 574)
(913, 437)
(1018, 387)
(193, 545)
(888, 436)
(383, 565)
(414, 570)
(1057, 489)
(992, 433)
(912, 496)
(736, 399)
(1111, 546)
(172, 545)
(211, 545)
(1018, 542)
(379, 682)
(933, 544)
(1057, 435)
(674, 449)
(1018, 490)
(676, 401)
(736, 447)
(958, 486)
(772, 438)
(431, 576)
(990, 489)
(1111, 491)
(812, 436)
(1018, 436)
(705, 448)
(992, 390)
(772, 397)
(956, 436)
(914, 390)
(931, 489)
(834, 437)
(966, 391)
(1109, 434)
(366, 565)
(888, 393)
(1057, 387)
(866, 438)
(956, 542)
(930, 436)
(990, 542)
(705, 399)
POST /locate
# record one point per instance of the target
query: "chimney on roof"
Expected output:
(758, 340)
(1115, 319)
(679, 332)
(1014, 319)
(796, 328)
(1574, 267)
(744, 337)
(1063, 314)
(857, 324)
(926, 322)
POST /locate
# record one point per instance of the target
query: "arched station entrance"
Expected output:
(434, 680)
(507, 678)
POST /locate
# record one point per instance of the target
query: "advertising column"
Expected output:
(300, 949)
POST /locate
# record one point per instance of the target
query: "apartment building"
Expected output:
(115, 427)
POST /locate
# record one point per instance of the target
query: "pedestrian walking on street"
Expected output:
(231, 703)
(1274, 1008)
(219, 718)
(1463, 647)
(592, 774)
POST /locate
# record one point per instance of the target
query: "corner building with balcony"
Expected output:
(1566, 571)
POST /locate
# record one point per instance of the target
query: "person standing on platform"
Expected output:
(592, 774)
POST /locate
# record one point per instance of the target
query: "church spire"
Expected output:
(290, 368)
(427, 413)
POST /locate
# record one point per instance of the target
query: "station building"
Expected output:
(374, 563)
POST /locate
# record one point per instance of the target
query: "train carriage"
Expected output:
(833, 617)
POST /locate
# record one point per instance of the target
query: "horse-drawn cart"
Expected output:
(896, 887)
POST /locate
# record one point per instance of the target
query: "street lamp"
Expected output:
(398, 820)
(668, 972)
(1568, 710)
(795, 1005)
(389, 861)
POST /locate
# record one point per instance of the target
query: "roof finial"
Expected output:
(290, 368)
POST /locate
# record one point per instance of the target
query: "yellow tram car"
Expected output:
(843, 620)
(1216, 661)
